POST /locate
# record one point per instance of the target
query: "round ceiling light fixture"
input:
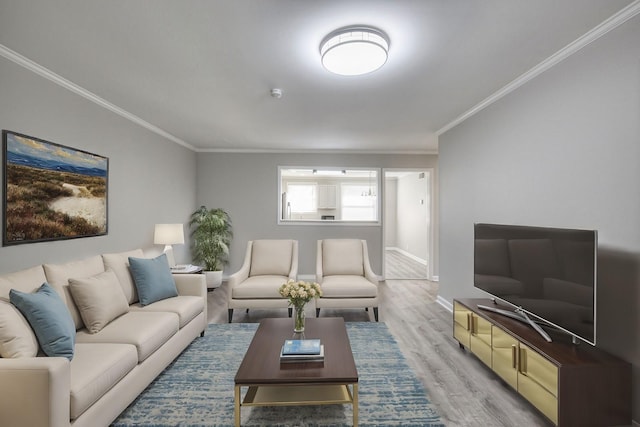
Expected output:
(355, 50)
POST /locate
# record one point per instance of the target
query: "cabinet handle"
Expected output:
(522, 361)
(468, 321)
(514, 356)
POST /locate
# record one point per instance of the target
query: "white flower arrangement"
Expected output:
(299, 293)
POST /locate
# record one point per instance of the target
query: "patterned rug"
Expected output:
(197, 388)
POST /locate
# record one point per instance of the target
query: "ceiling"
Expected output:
(201, 72)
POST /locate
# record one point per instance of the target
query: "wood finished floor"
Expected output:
(400, 266)
(465, 392)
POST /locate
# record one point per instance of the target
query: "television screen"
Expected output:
(548, 272)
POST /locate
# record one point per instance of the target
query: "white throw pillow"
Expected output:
(16, 336)
(99, 299)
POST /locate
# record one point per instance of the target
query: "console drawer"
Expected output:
(546, 402)
(538, 369)
(505, 356)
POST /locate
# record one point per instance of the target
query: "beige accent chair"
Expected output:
(267, 265)
(344, 273)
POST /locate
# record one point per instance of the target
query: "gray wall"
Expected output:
(561, 151)
(246, 186)
(151, 180)
(413, 216)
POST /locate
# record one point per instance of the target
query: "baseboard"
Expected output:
(435, 278)
(444, 303)
(407, 254)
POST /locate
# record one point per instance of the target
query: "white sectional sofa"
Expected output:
(109, 368)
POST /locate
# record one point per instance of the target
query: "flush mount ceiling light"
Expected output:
(352, 51)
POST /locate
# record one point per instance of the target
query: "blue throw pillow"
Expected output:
(153, 279)
(49, 318)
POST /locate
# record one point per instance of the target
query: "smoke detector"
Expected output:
(276, 93)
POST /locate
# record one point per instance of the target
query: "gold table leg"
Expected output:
(237, 405)
(355, 405)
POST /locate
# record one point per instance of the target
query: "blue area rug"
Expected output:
(197, 388)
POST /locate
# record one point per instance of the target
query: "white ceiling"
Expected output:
(202, 71)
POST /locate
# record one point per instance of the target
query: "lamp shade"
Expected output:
(352, 51)
(168, 234)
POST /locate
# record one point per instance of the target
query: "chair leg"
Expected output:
(375, 313)
(230, 314)
(290, 311)
(317, 312)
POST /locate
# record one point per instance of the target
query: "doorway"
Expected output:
(407, 224)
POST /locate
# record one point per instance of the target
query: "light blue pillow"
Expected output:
(153, 279)
(49, 318)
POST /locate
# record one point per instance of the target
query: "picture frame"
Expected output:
(51, 191)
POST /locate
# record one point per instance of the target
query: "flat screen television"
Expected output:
(549, 273)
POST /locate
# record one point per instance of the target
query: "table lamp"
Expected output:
(169, 234)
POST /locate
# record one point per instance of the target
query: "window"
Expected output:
(302, 197)
(358, 202)
(328, 195)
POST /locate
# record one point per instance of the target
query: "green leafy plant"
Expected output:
(210, 237)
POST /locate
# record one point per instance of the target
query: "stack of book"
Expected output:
(296, 351)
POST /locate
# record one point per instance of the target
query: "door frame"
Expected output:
(430, 172)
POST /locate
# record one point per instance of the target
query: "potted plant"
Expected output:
(210, 240)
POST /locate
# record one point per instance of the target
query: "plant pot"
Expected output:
(213, 278)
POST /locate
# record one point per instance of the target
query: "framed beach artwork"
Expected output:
(51, 192)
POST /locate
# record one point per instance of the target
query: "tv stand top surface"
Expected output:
(561, 350)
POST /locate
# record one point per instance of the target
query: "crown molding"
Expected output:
(319, 151)
(611, 23)
(30, 65)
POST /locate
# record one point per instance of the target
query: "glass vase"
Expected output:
(298, 318)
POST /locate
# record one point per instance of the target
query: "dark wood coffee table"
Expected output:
(271, 383)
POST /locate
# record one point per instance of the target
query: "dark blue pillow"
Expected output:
(49, 318)
(153, 279)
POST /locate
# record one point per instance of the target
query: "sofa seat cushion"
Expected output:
(95, 369)
(146, 330)
(257, 287)
(186, 307)
(348, 287)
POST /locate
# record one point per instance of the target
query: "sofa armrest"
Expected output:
(35, 392)
(193, 285)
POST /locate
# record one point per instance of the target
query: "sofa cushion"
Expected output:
(342, 256)
(271, 257)
(257, 287)
(95, 369)
(58, 276)
(49, 318)
(153, 279)
(27, 280)
(186, 307)
(119, 263)
(146, 330)
(99, 298)
(348, 287)
(16, 336)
